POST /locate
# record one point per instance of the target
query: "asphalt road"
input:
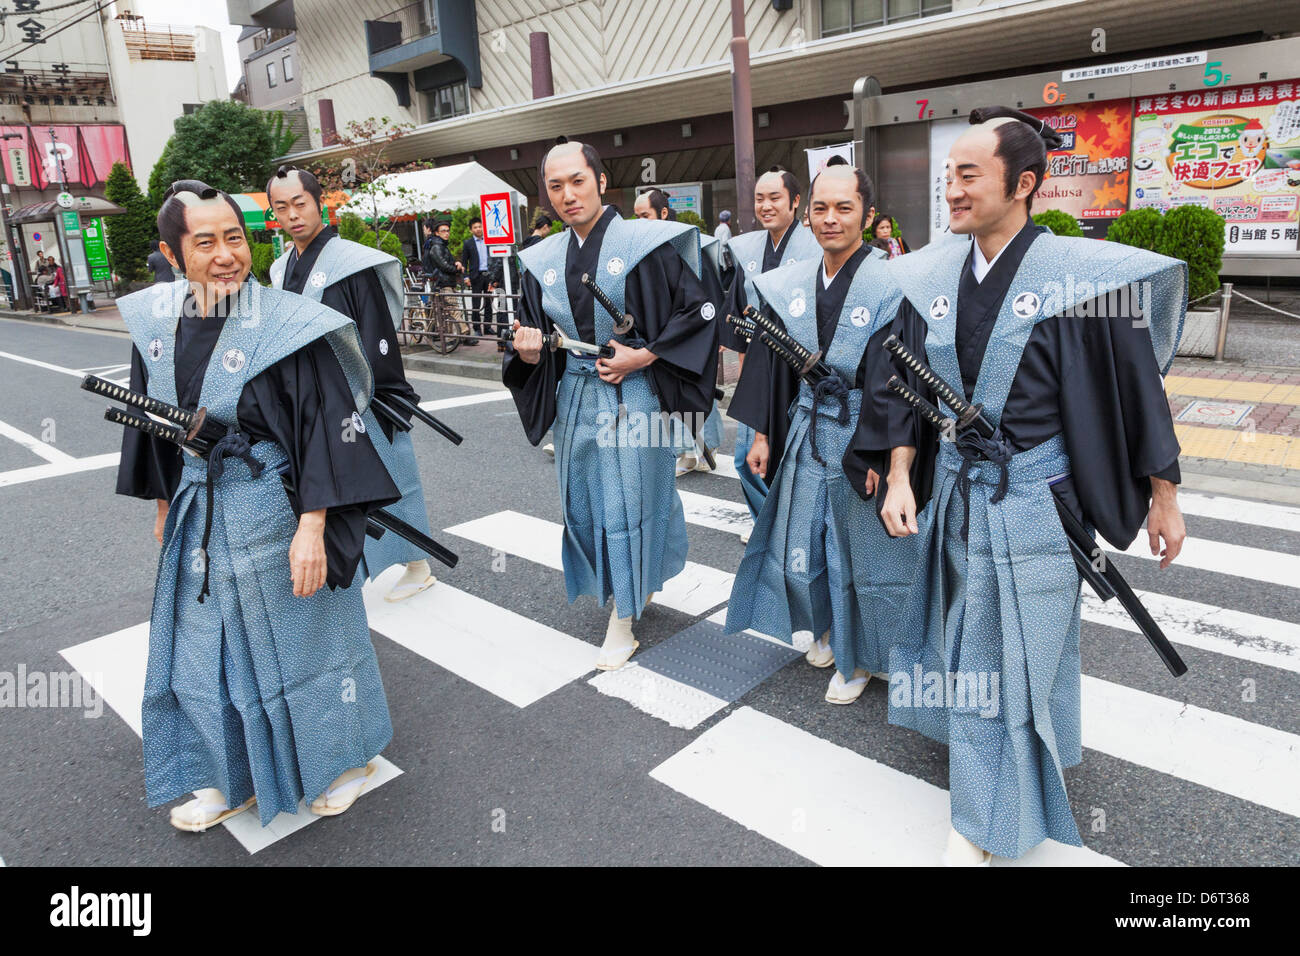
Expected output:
(1200, 770)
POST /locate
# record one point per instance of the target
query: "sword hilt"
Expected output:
(622, 321)
(120, 393)
(968, 415)
(745, 329)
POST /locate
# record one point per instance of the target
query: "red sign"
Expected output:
(77, 155)
(498, 221)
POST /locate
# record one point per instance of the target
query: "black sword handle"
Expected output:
(120, 393)
(622, 322)
(405, 404)
(165, 431)
(744, 328)
(809, 360)
(968, 415)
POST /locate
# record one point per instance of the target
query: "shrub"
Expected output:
(692, 219)
(1137, 227)
(263, 256)
(1195, 235)
(1061, 223)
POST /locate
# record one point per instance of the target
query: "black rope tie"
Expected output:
(831, 387)
(234, 445)
(975, 448)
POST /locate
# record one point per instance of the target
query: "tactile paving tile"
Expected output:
(724, 665)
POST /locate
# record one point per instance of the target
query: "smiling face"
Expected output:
(835, 209)
(294, 208)
(977, 198)
(215, 250)
(773, 205)
(572, 187)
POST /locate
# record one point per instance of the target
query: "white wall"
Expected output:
(152, 93)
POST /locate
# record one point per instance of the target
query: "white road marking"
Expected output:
(34, 445)
(115, 666)
(1237, 560)
(1225, 753)
(455, 402)
(507, 654)
(45, 365)
(1247, 637)
(825, 802)
(53, 470)
(694, 591)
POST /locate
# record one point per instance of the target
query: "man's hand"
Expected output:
(528, 343)
(307, 554)
(759, 453)
(873, 482)
(460, 267)
(625, 361)
(1165, 520)
(898, 510)
(160, 521)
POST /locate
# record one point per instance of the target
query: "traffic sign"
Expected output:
(498, 218)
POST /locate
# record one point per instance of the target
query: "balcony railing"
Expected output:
(413, 21)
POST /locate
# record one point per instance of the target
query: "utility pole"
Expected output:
(742, 118)
(64, 241)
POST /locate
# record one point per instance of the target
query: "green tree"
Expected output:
(1061, 223)
(129, 233)
(224, 143)
(282, 137)
(158, 181)
(263, 254)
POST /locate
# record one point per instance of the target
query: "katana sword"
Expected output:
(622, 323)
(558, 341)
(745, 329)
(1083, 546)
(196, 432)
(803, 361)
(622, 326)
(404, 404)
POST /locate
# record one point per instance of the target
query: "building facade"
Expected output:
(649, 83)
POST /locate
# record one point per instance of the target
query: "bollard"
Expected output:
(1223, 322)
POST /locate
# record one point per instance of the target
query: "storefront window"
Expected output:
(847, 16)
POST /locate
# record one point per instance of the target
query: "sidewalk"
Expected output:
(105, 318)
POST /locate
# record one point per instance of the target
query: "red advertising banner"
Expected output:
(1088, 176)
(80, 155)
(1234, 150)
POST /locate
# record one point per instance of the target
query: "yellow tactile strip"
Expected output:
(1256, 448)
(1195, 386)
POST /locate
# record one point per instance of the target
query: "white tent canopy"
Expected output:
(425, 190)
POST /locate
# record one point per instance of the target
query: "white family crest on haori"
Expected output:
(615, 266)
(156, 349)
(233, 360)
(939, 307)
(318, 279)
(707, 311)
(1025, 304)
(383, 346)
(549, 277)
(861, 316)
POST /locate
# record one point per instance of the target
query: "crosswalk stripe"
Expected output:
(72, 466)
(717, 513)
(694, 591)
(1237, 560)
(675, 703)
(507, 654)
(825, 802)
(115, 666)
(1225, 753)
(1239, 510)
(35, 445)
(1248, 637)
(526, 537)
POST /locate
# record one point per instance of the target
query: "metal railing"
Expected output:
(444, 319)
(416, 20)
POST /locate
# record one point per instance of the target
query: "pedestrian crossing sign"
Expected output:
(498, 223)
